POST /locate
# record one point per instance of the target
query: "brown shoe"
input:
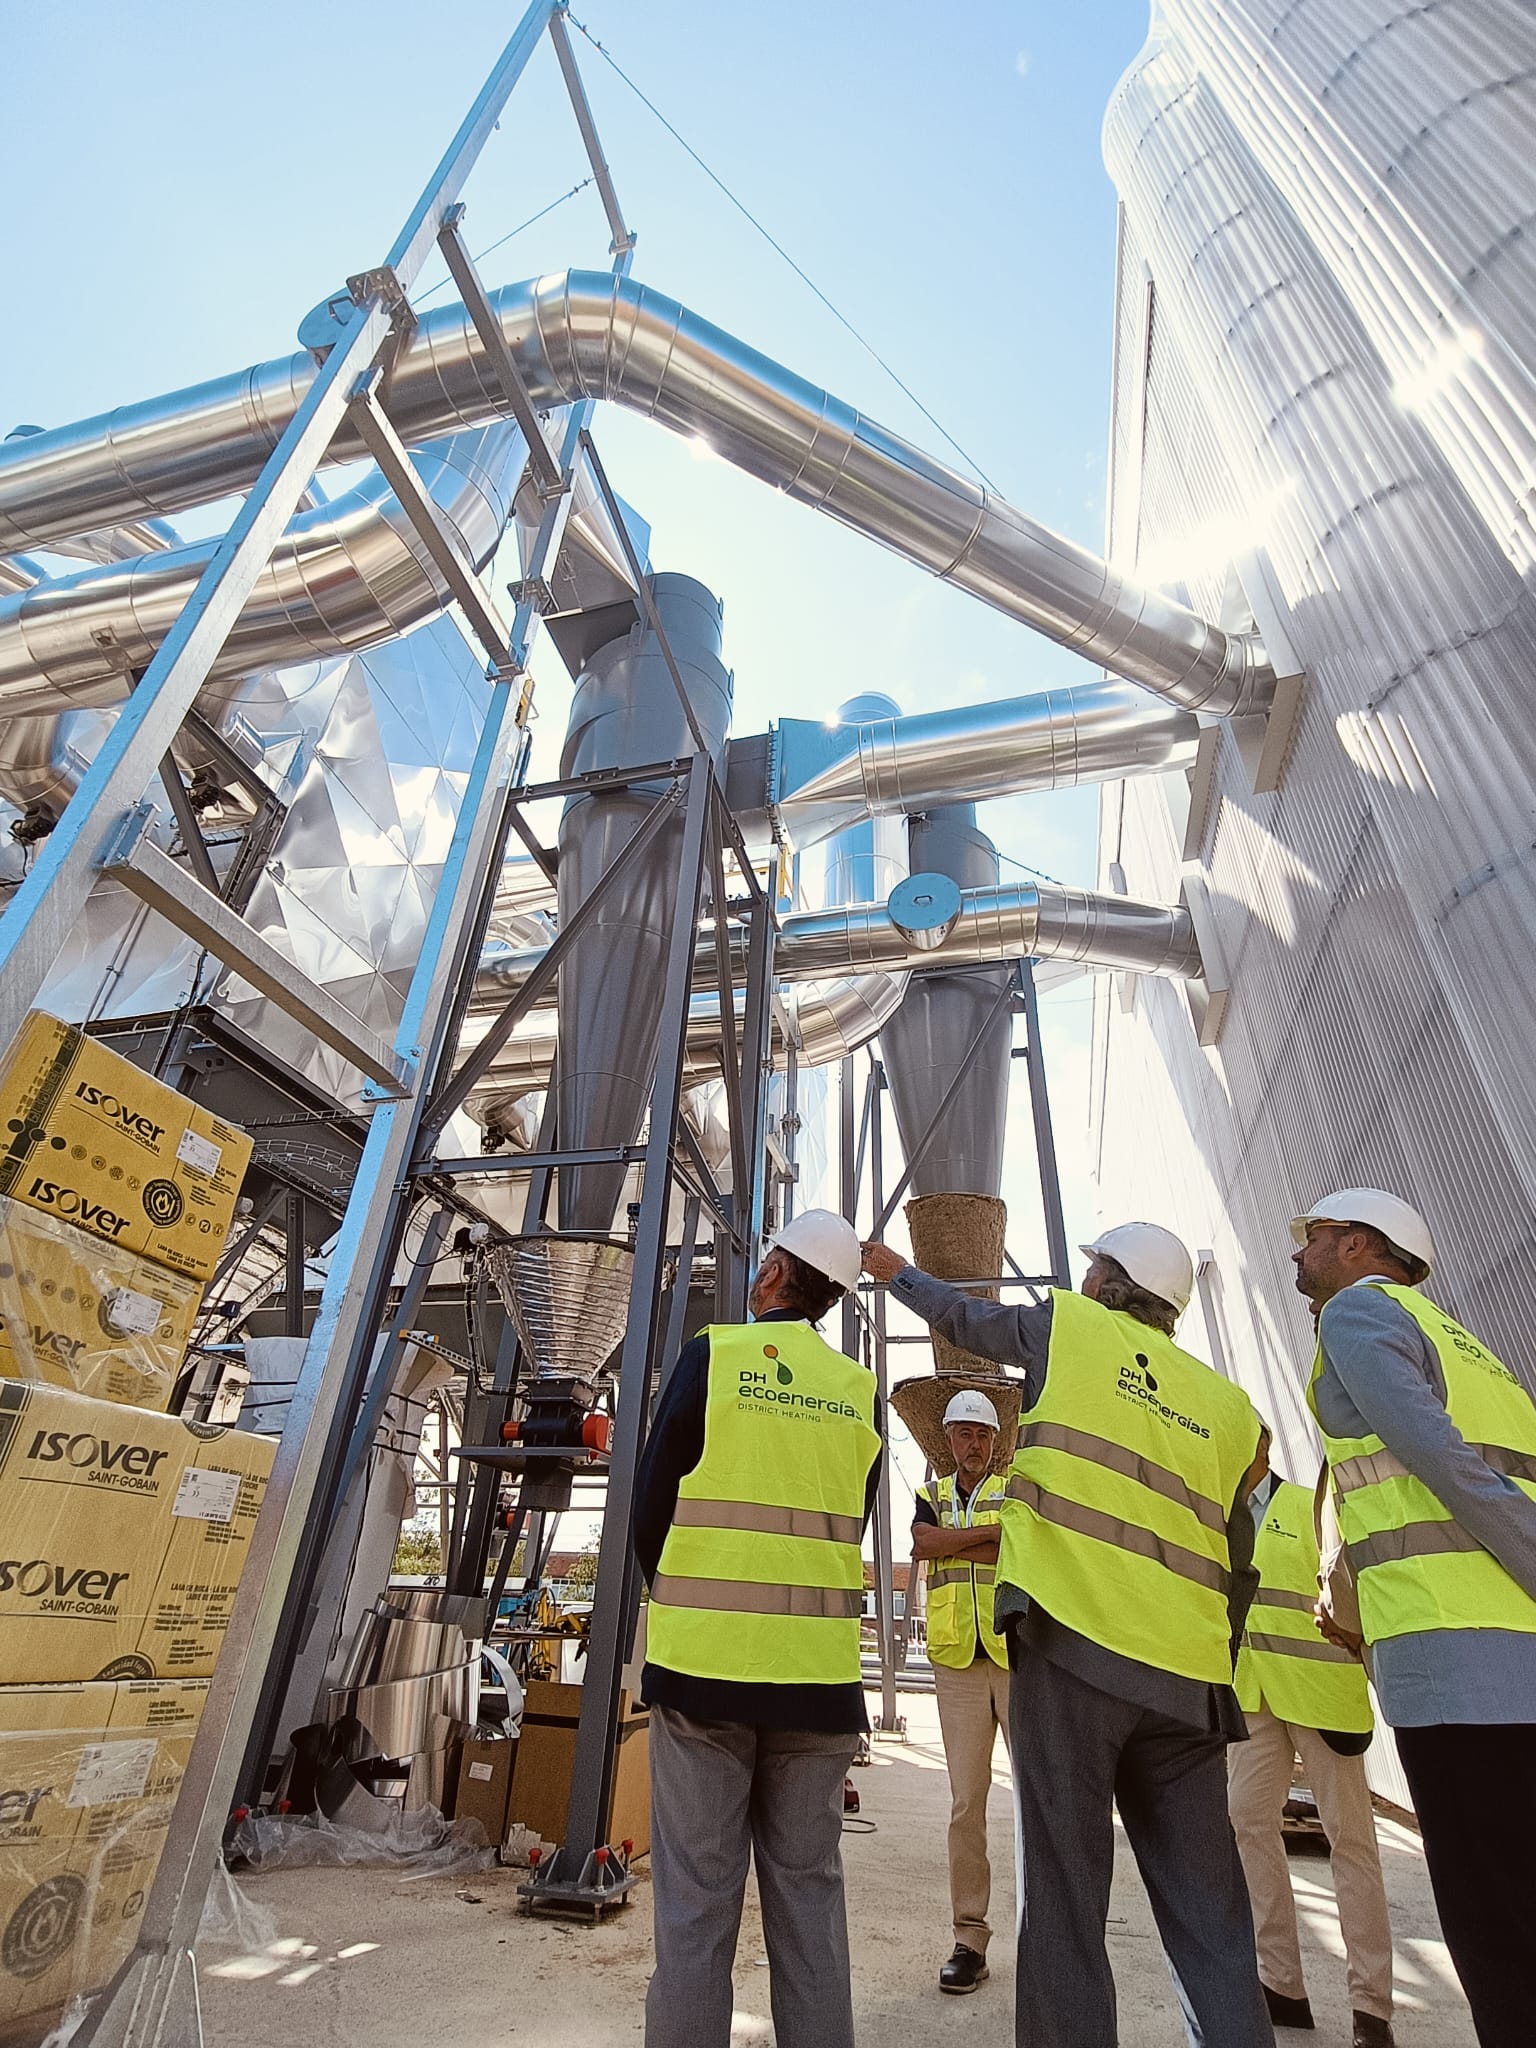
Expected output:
(1371, 2032)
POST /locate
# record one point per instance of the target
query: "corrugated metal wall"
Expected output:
(1326, 337)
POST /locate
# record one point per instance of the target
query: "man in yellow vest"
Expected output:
(1431, 1446)
(1301, 1694)
(1122, 1581)
(751, 1500)
(955, 1533)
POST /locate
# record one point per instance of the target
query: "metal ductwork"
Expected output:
(873, 767)
(347, 575)
(846, 970)
(626, 712)
(925, 1044)
(1008, 921)
(591, 335)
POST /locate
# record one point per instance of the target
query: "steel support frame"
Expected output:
(152, 2001)
(581, 1872)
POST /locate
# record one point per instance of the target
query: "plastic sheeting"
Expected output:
(419, 1843)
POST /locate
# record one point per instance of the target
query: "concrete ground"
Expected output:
(366, 1960)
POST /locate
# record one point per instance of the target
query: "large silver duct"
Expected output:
(590, 335)
(1057, 739)
(845, 969)
(626, 712)
(1007, 921)
(346, 575)
(926, 1043)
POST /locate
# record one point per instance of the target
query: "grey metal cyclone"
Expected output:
(929, 1039)
(590, 335)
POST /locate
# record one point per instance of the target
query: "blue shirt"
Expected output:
(1381, 1377)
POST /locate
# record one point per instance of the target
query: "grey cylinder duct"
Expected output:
(1057, 739)
(941, 1016)
(591, 335)
(345, 576)
(625, 712)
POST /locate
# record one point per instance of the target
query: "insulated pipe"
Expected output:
(1010, 921)
(855, 961)
(345, 576)
(589, 335)
(831, 1019)
(1057, 739)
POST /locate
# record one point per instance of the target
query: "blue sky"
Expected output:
(198, 176)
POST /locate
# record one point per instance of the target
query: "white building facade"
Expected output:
(1326, 339)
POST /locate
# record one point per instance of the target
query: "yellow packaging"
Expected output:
(88, 1777)
(81, 1313)
(122, 1536)
(97, 1144)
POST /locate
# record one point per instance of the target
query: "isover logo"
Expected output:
(754, 1387)
(18, 1806)
(126, 1467)
(58, 1345)
(1138, 1383)
(79, 1208)
(120, 1113)
(61, 1588)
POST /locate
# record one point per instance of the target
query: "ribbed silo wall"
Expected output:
(1326, 327)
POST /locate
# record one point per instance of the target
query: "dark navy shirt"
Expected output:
(673, 1450)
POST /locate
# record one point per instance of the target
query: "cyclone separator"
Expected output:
(568, 1297)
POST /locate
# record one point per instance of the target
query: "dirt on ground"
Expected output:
(364, 1959)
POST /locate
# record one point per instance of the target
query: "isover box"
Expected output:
(122, 1536)
(81, 1313)
(109, 1150)
(88, 1777)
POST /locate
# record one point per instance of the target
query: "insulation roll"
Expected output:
(959, 1237)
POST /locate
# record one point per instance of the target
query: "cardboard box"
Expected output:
(77, 1312)
(546, 1757)
(122, 1536)
(484, 1785)
(88, 1777)
(100, 1146)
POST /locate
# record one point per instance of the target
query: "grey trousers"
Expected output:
(1076, 1751)
(721, 1793)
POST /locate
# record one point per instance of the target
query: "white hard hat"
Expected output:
(971, 1406)
(1404, 1228)
(826, 1241)
(1153, 1257)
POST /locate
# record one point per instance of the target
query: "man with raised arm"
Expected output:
(1123, 1581)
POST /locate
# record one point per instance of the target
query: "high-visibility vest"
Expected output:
(761, 1577)
(1415, 1568)
(1284, 1664)
(960, 1592)
(1126, 1472)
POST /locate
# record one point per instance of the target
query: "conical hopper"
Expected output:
(568, 1298)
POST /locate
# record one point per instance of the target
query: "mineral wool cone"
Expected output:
(957, 1237)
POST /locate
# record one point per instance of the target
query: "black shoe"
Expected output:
(1288, 2012)
(964, 1970)
(1371, 2032)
